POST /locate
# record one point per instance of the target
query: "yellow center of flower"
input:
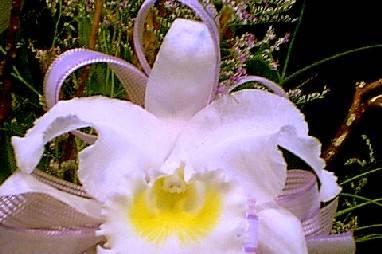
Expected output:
(173, 207)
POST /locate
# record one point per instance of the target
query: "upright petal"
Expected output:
(130, 141)
(183, 74)
(239, 134)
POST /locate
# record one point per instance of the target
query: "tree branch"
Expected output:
(358, 107)
(70, 148)
(91, 45)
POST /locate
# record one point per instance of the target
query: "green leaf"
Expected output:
(7, 162)
(97, 82)
(259, 67)
(329, 59)
(5, 13)
(84, 29)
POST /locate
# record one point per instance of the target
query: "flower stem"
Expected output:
(292, 42)
(350, 209)
(374, 201)
(56, 25)
(368, 238)
(368, 226)
(359, 176)
(308, 68)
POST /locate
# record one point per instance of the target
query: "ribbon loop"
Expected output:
(327, 215)
(265, 82)
(300, 195)
(132, 79)
(60, 184)
(36, 223)
(38, 210)
(331, 244)
(22, 241)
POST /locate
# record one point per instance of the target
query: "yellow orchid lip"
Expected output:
(173, 207)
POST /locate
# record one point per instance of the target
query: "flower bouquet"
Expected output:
(180, 168)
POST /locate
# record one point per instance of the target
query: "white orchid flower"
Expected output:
(180, 175)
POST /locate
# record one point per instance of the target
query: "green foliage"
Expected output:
(5, 12)
(301, 100)
(353, 198)
(84, 29)
(7, 162)
(258, 66)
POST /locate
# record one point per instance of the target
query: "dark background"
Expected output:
(330, 27)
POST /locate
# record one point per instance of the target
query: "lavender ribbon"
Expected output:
(37, 241)
(36, 223)
(331, 244)
(133, 80)
(265, 82)
(301, 197)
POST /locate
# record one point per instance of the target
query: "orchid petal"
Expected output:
(232, 127)
(130, 141)
(279, 230)
(239, 134)
(20, 183)
(254, 162)
(329, 186)
(206, 13)
(309, 149)
(183, 76)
